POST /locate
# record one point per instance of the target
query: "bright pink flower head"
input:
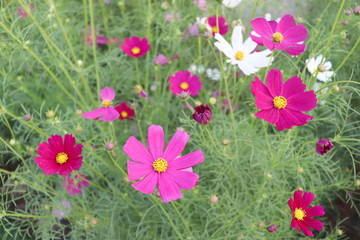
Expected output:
(105, 113)
(134, 47)
(59, 156)
(302, 214)
(125, 111)
(170, 17)
(162, 168)
(222, 29)
(283, 103)
(285, 35)
(22, 12)
(184, 82)
(74, 185)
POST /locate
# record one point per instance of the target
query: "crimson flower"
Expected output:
(124, 111)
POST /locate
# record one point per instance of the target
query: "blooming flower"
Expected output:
(283, 104)
(59, 155)
(22, 12)
(159, 167)
(285, 35)
(184, 82)
(231, 3)
(322, 70)
(323, 146)
(218, 25)
(124, 111)
(162, 60)
(74, 185)
(105, 113)
(134, 47)
(62, 210)
(200, 27)
(201, 4)
(170, 17)
(202, 114)
(302, 214)
(213, 74)
(241, 54)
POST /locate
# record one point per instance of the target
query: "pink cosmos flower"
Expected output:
(170, 17)
(125, 111)
(74, 185)
(59, 156)
(105, 113)
(184, 82)
(222, 29)
(285, 35)
(134, 47)
(22, 12)
(201, 4)
(283, 104)
(302, 214)
(162, 60)
(101, 40)
(162, 168)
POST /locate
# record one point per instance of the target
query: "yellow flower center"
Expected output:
(299, 214)
(160, 165)
(124, 114)
(111, 41)
(61, 158)
(135, 50)
(138, 89)
(215, 29)
(91, 37)
(239, 55)
(106, 103)
(280, 102)
(184, 85)
(315, 71)
(277, 37)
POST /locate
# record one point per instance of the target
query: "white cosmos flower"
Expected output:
(231, 3)
(196, 69)
(213, 74)
(242, 54)
(314, 66)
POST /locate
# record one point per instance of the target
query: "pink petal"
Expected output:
(301, 118)
(156, 141)
(294, 224)
(315, 211)
(256, 39)
(65, 169)
(75, 152)
(304, 101)
(274, 82)
(297, 198)
(56, 143)
(69, 143)
(262, 27)
(289, 118)
(185, 180)
(107, 94)
(269, 44)
(110, 114)
(269, 115)
(138, 170)
(46, 151)
(258, 86)
(186, 161)
(263, 100)
(307, 199)
(148, 184)
(168, 189)
(75, 163)
(94, 114)
(286, 22)
(176, 145)
(293, 86)
(292, 49)
(136, 151)
(306, 230)
(313, 223)
(47, 166)
(295, 34)
(273, 25)
(291, 204)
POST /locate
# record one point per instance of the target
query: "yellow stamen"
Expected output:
(239, 55)
(299, 214)
(106, 103)
(215, 29)
(315, 71)
(184, 85)
(135, 50)
(138, 88)
(91, 37)
(61, 158)
(160, 165)
(277, 37)
(280, 102)
(124, 114)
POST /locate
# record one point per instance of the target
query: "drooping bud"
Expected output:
(27, 117)
(109, 146)
(202, 114)
(214, 199)
(225, 141)
(323, 146)
(272, 228)
(357, 10)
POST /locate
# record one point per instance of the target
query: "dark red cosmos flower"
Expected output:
(202, 114)
(323, 146)
(125, 111)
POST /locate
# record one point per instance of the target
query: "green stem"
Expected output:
(212, 140)
(7, 122)
(137, 71)
(252, 15)
(182, 219)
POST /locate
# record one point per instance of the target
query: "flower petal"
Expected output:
(291, 204)
(94, 114)
(110, 114)
(176, 145)
(56, 143)
(269, 115)
(262, 27)
(237, 39)
(295, 34)
(148, 184)
(138, 170)
(304, 101)
(168, 189)
(185, 180)
(315, 211)
(297, 198)
(313, 223)
(136, 151)
(294, 224)
(306, 230)
(306, 200)
(224, 46)
(156, 141)
(274, 82)
(286, 22)
(263, 100)
(187, 161)
(258, 86)
(107, 94)
(293, 86)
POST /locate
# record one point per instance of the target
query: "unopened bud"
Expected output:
(197, 103)
(225, 141)
(183, 95)
(336, 87)
(138, 88)
(109, 146)
(79, 112)
(269, 176)
(261, 224)
(358, 183)
(50, 114)
(94, 222)
(180, 129)
(12, 142)
(214, 199)
(212, 100)
(345, 22)
(357, 10)
(27, 117)
(79, 129)
(47, 207)
(271, 228)
(165, 5)
(321, 67)
(300, 170)
(348, 12)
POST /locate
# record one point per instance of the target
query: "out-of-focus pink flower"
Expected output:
(226, 106)
(134, 47)
(162, 60)
(107, 1)
(201, 4)
(62, 210)
(101, 40)
(201, 27)
(218, 25)
(184, 82)
(74, 185)
(22, 12)
(144, 95)
(170, 17)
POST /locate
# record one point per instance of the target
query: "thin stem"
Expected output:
(212, 140)
(182, 219)
(252, 15)
(137, 71)
(117, 165)
(7, 122)
(4, 214)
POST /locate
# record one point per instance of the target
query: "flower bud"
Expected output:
(348, 12)
(321, 67)
(300, 170)
(94, 222)
(78, 129)
(183, 95)
(323, 146)
(261, 224)
(126, 179)
(31, 150)
(79, 112)
(358, 183)
(165, 5)
(180, 129)
(47, 207)
(271, 228)
(214, 199)
(50, 114)
(345, 22)
(336, 87)
(212, 101)
(300, 188)
(27, 117)
(109, 146)
(138, 88)
(225, 141)
(12, 141)
(202, 114)
(357, 10)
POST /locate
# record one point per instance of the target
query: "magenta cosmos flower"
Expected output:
(74, 185)
(184, 82)
(220, 28)
(105, 113)
(302, 214)
(125, 111)
(59, 156)
(162, 168)
(134, 47)
(285, 35)
(283, 104)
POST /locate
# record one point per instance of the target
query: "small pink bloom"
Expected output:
(62, 210)
(170, 17)
(144, 95)
(302, 214)
(125, 111)
(105, 113)
(74, 185)
(201, 4)
(219, 27)
(59, 155)
(285, 35)
(184, 82)
(161, 59)
(134, 47)
(22, 12)
(214, 199)
(272, 228)
(162, 168)
(323, 146)
(283, 103)
(101, 40)
(109, 146)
